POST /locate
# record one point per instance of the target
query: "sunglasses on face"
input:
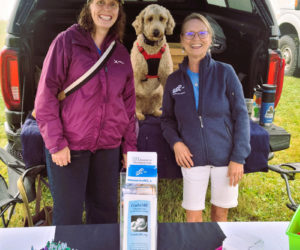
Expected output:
(191, 35)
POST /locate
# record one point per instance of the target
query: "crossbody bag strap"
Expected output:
(86, 76)
(89, 74)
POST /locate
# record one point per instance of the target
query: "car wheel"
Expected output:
(288, 48)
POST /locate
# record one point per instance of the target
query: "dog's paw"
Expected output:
(157, 113)
(140, 116)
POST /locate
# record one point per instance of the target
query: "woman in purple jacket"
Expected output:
(84, 132)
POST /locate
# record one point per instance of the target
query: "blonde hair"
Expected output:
(200, 18)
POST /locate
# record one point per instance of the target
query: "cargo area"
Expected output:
(238, 41)
(243, 38)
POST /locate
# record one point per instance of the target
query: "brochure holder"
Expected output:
(138, 202)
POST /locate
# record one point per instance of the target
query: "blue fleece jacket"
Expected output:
(219, 131)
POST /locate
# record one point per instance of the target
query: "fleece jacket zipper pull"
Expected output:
(201, 121)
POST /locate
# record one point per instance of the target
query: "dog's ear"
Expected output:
(170, 24)
(139, 23)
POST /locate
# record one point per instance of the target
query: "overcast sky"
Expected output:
(6, 8)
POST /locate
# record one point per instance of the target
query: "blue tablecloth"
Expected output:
(150, 138)
(33, 148)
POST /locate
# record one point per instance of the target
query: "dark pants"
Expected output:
(91, 179)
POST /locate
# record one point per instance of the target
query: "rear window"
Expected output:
(244, 5)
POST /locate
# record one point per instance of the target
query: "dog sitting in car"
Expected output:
(151, 58)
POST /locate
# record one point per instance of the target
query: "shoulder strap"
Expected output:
(89, 74)
(86, 76)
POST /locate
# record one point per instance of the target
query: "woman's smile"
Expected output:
(104, 13)
(105, 17)
(196, 46)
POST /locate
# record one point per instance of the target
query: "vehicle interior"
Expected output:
(241, 31)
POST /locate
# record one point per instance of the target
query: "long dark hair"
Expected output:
(85, 21)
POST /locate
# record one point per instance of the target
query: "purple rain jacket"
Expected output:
(100, 114)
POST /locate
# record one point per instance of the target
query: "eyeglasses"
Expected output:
(111, 4)
(191, 35)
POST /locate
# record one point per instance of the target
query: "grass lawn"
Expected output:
(262, 195)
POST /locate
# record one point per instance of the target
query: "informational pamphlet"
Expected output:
(140, 225)
(138, 204)
(141, 168)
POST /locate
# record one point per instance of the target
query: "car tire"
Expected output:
(288, 48)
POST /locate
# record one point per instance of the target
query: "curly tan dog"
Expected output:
(151, 58)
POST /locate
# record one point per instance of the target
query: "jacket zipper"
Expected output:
(200, 110)
(201, 121)
(103, 114)
(106, 96)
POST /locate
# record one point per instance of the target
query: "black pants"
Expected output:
(90, 179)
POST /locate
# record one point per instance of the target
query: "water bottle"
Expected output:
(267, 105)
(256, 104)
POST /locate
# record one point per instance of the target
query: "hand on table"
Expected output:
(62, 157)
(235, 173)
(183, 155)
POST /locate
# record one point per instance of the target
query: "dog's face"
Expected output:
(154, 22)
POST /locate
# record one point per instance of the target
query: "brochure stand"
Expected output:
(138, 203)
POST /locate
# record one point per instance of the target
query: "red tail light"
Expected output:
(276, 73)
(10, 83)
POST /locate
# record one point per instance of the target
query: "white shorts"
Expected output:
(195, 183)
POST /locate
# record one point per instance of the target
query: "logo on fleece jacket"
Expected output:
(179, 90)
(118, 61)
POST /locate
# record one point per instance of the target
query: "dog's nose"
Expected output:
(156, 33)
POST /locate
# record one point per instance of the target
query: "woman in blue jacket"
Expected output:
(206, 123)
